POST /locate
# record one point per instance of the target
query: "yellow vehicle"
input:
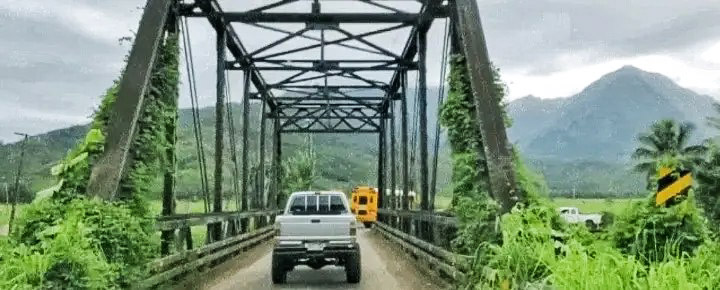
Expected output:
(364, 204)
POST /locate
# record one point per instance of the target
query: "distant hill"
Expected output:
(344, 160)
(580, 143)
(598, 127)
(531, 115)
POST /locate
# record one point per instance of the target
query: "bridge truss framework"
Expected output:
(320, 93)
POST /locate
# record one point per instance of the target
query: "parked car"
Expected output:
(316, 229)
(573, 215)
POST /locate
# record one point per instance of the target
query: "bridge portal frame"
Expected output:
(312, 108)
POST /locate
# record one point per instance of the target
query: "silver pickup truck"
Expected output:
(316, 229)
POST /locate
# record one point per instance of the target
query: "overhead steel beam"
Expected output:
(214, 13)
(270, 17)
(328, 68)
(428, 13)
(331, 87)
(315, 99)
(331, 131)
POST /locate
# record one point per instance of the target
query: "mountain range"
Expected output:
(580, 143)
(598, 127)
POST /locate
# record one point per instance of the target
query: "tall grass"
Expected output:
(540, 252)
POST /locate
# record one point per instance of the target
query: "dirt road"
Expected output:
(383, 267)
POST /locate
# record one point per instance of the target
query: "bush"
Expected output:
(112, 234)
(65, 257)
(652, 233)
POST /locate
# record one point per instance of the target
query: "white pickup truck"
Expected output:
(316, 229)
(573, 215)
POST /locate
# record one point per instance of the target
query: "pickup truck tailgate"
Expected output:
(315, 225)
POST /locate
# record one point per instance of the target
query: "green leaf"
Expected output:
(57, 169)
(94, 136)
(77, 159)
(45, 193)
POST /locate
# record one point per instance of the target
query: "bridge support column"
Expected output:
(110, 168)
(262, 198)
(276, 164)
(381, 162)
(404, 146)
(489, 116)
(245, 206)
(393, 187)
(424, 230)
(215, 230)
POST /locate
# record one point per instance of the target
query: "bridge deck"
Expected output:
(384, 266)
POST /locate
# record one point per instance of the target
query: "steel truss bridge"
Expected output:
(328, 69)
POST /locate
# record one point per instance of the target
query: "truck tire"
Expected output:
(590, 225)
(352, 267)
(367, 225)
(278, 272)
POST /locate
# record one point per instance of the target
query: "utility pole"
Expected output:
(17, 181)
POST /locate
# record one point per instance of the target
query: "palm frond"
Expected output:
(644, 153)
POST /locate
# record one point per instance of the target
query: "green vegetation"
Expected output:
(299, 171)
(471, 202)
(647, 247)
(66, 239)
(596, 205)
(706, 193)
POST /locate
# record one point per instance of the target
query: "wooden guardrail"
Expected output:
(451, 266)
(172, 267)
(178, 221)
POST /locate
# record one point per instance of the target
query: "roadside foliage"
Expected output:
(643, 247)
(67, 239)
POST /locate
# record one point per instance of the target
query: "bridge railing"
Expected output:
(240, 231)
(427, 236)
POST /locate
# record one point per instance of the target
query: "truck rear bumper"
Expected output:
(297, 253)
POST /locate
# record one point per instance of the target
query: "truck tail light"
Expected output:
(353, 228)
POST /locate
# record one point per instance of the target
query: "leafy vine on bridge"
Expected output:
(648, 247)
(69, 240)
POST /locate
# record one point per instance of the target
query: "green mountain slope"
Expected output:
(584, 142)
(603, 121)
(344, 160)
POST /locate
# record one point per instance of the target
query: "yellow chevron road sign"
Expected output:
(671, 183)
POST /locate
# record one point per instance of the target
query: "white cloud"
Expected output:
(573, 78)
(712, 54)
(99, 24)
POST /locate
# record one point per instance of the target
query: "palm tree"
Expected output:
(667, 140)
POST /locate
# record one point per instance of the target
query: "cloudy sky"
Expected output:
(56, 59)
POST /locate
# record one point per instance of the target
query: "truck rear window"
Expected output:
(316, 204)
(363, 200)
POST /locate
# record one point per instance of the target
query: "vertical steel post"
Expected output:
(168, 198)
(381, 161)
(277, 159)
(405, 221)
(245, 143)
(422, 106)
(261, 156)
(219, 130)
(404, 142)
(393, 197)
(489, 116)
